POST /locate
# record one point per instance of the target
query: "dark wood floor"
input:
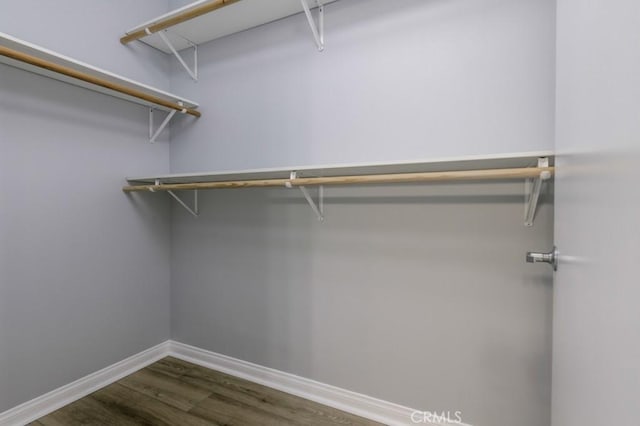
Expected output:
(174, 392)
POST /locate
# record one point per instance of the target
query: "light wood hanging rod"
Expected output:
(79, 75)
(459, 175)
(175, 20)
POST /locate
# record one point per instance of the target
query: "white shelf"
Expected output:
(480, 162)
(233, 18)
(9, 42)
(535, 167)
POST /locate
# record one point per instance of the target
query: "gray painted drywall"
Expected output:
(401, 80)
(90, 32)
(417, 295)
(596, 379)
(84, 269)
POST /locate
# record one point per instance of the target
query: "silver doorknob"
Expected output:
(550, 258)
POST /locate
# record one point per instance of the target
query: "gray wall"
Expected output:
(596, 379)
(417, 295)
(400, 80)
(84, 270)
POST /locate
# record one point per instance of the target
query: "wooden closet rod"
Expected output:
(459, 175)
(70, 72)
(175, 20)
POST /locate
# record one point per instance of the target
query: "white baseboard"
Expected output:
(341, 399)
(58, 398)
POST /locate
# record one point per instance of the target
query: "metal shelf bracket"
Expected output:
(153, 134)
(316, 30)
(195, 211)
(193, 73)
(318, 209)
(532, 192)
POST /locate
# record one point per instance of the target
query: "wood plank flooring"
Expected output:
(173, 392)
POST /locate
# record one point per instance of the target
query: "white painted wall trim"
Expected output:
(341, 399)
(57, 398)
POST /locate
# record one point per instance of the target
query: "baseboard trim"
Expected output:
(58, 398)
(332, 396)
(341, 399)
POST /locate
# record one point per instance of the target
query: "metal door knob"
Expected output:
(550, 258)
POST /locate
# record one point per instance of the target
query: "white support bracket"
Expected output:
(195, 210)
(532, 192)
(318, 209)
(153, 134)
(316, 30)
(192, 72)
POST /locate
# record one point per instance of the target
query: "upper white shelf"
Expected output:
(36, 59)
(207, 20)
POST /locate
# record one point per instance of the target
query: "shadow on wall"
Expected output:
(339, 18)
(51, 100)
